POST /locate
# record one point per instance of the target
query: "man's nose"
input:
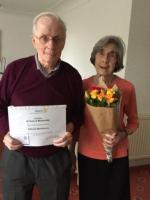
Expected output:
(50, 42)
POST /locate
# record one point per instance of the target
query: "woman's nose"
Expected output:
(105, 58)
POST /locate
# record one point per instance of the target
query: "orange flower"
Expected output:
(102, 97)
(94, 93)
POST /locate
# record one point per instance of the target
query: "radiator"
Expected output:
(139, 142)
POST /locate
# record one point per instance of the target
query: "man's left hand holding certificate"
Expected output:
(37, 125)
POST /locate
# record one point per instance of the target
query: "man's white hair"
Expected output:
(49, 15)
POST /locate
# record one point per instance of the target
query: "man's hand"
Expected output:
(64, 140)
(11, 143)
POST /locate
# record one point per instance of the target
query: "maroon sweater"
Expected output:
(22, 85)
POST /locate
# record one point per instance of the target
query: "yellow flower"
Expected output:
(110, 100)
(93, 94)
(102, 97)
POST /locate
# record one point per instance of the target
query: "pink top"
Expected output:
(90, 140)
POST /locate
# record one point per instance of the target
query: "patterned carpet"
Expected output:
(140, 185)
(74, 195)
(140, 182)
(139, 179)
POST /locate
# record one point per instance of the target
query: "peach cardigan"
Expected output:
(90, 141)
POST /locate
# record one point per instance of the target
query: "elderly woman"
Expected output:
(98, 179)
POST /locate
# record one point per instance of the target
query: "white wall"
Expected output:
(90, 21)
(86, 20)
(15, 36)
(138, 58)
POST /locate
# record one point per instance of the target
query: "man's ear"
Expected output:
(33, 42)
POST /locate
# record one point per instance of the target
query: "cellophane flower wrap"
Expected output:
(103, 105)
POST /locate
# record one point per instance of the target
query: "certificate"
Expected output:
(37, 125)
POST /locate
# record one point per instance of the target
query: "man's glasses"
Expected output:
(44, 39)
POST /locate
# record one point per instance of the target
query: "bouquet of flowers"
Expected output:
(102, 104)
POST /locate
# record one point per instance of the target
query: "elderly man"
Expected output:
(42, 79)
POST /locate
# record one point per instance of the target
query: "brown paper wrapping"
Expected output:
(105, 118)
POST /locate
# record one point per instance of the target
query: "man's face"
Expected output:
(49, 41)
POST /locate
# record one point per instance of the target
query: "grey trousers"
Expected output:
(50, 174)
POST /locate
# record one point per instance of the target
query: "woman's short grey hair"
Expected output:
(120, 47)
(49, 15)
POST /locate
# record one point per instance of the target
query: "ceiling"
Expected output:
(30, 6)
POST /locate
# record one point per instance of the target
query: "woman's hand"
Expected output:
(11, 143)
(111, 140)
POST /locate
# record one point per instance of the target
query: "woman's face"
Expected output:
(105, 60)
